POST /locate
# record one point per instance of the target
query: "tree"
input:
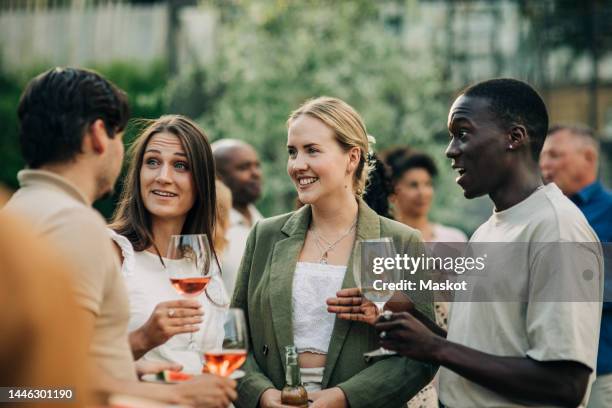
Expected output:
(581, 27)
(275, 55)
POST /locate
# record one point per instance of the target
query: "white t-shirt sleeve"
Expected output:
(563, 312)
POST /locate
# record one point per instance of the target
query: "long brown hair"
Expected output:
(133, 220)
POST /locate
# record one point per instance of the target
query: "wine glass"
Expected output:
(371, 275)
(189, 267)
(232, 354)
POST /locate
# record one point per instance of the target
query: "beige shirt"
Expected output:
(59, 211)
(546, 330)
(442, 233)
(236, 236)
(37, 314)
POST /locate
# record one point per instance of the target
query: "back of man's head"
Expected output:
(58, 105)
(515, 102)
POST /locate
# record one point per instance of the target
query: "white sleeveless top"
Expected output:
(148, 284)
(313, 284)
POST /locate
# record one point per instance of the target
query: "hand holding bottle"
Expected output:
(329, 398)
(271, 398)
(294, 394)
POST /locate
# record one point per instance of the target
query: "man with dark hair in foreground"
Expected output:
(71, 126)
(511, 353)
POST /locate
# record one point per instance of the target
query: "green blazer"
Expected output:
(263, 291)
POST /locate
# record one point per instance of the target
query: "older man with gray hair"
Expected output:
(570, 159)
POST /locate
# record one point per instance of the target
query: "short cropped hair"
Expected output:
(401, 159)
(515, 102)
(58, 105)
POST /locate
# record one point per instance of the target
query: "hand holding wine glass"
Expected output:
(232, 354)
(166, 321)
(189, 266)
(349, 304)
(371, 281)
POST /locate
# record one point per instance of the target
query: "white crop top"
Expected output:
(313, 284)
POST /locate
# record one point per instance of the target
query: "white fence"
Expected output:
(82, 36)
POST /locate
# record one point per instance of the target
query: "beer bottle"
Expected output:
(293, 393)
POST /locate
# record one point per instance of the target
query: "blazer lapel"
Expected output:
(368, 227)
(282, 268)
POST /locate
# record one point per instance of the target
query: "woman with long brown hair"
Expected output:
(169, 190)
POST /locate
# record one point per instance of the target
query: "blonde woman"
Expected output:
(222, 222)
(294, 262)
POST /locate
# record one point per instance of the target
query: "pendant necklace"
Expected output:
(325, 246)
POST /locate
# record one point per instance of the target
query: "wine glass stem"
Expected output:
(380, 307)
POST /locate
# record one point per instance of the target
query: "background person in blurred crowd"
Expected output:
(238, 166)
(169, 190)
(222, 221)
(71, 127)
(412, 175)
(294, 262)
(43, 343)
(570, 159)
(378, 188)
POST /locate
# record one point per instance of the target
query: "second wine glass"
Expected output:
(189, 267)
(372, 282)
(232, 354)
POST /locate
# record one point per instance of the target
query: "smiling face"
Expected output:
(166, 182)
(413, 193)
(317, 164)
(478, 147)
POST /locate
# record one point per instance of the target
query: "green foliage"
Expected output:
(274, 55)
(582, 26)
(271, 56)
(11, 157)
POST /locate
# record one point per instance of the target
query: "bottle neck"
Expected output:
(293, 373)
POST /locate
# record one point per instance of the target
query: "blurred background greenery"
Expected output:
(239, 68)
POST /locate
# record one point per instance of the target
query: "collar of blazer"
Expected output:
(282, 267)
(368, 223)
